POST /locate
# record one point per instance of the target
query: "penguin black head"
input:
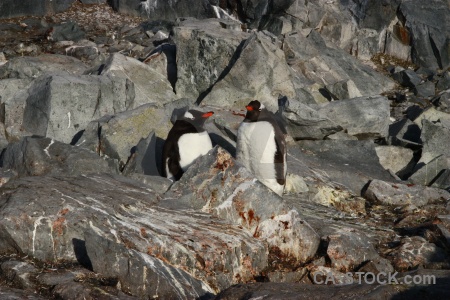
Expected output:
(254, 109)
(196, 117)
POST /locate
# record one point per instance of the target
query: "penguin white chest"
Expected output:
(256, 147)
(191, 146)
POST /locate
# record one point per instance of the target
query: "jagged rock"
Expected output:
(370, 14)
(93, 205)
(404, 194)
(34, 66)
(442, 180)
(34, 156)
(214, 50)
(18, 273)
(309, 55)
(116, 136)
(407, 78)
(260, 72)
(426, 89)
(430, 47)
(405, 133)
(444, 82)
(61, 105)
(416, 251)
(364, 117)
(138, 272)
(69, 31)
(11, 8)
(304, 122)
(432, 115)
(143, 157)
(216, 183)
(435, 157)
(350, 163)
(16, 294)
(394, 158)
(150, 86)
(347, 250)
(9, 88)
(81, 283)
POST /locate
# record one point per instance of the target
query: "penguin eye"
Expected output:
(260, 109)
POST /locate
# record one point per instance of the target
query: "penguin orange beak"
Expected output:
(208, 114)
(249, 108)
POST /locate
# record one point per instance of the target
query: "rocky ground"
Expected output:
(88, 95)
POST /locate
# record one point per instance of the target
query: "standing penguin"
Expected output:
(261, 147)
(186, 141)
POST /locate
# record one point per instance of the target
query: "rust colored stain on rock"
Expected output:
(64, 211)
(144, 233)
(58, 225)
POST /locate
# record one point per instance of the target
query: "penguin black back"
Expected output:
(194, 140)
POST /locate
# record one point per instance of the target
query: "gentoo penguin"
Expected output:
(261, 146)
(186, 141)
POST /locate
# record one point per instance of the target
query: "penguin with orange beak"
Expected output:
(261, 147)
(186, 141)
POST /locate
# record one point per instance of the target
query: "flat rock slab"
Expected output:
(33, 67)
(346, 163)
(47, 218)
(363, 117)
(295, 291)
(390, 193)
(35, 156)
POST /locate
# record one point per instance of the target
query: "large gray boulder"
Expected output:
(34, 66)
(304, 122)
(308, 54)
(11, 8)
(205, 53)
(150, 86)
(61, 105)
(342, 163)
(260, 72)
(435, 156)
(216, 183)
(400, 194)
(34, 156)
(430, 45)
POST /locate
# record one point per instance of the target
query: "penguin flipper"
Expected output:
(279, 160)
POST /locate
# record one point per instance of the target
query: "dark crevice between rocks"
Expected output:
(227, 69)
(218, 140)
(79, 248)
(170, 51)
(436, 53)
